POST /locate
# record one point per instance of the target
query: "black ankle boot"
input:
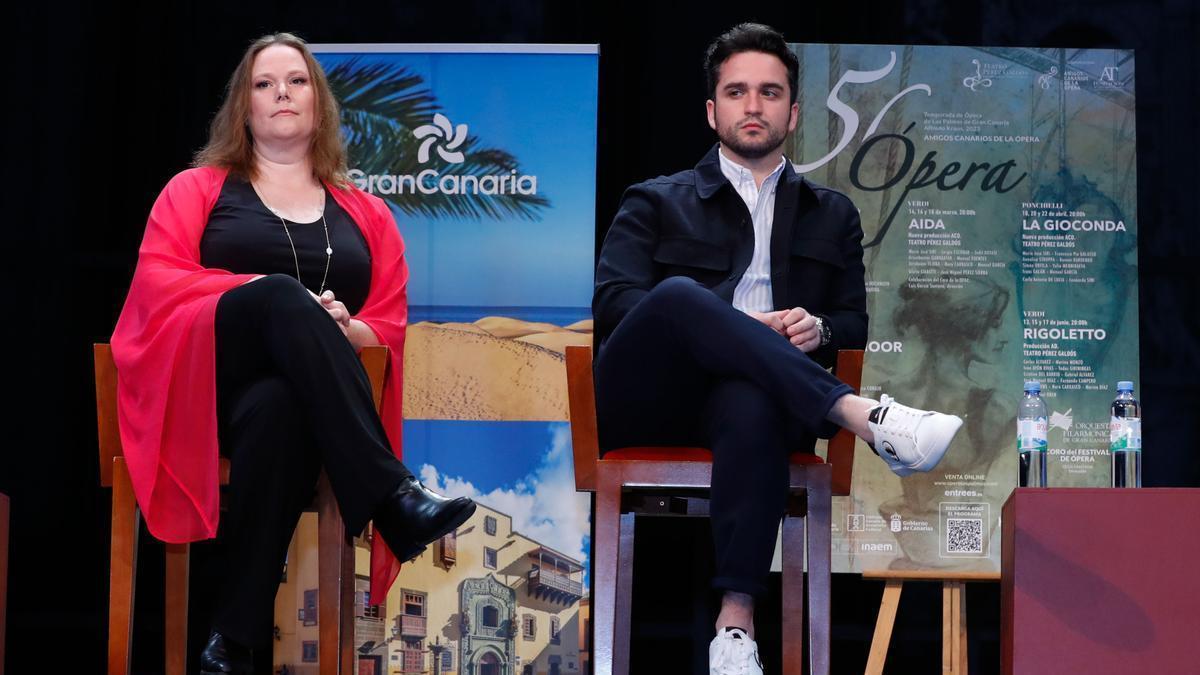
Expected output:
(414, 516)
(222, 656)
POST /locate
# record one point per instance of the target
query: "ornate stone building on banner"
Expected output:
(484, 600)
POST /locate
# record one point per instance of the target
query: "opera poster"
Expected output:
(492, 184)
(997, 190)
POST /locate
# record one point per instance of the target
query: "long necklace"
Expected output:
(288, 232)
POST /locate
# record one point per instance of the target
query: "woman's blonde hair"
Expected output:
(230, 144)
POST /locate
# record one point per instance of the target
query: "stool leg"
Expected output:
(331, 549)
(793, 595)
(346, 604)
(819, 564)
(122, 563)
(605, 545)
(624, 608)
(176, 606)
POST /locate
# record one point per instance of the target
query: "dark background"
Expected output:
(105, 102)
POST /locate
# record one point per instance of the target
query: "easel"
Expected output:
(954, 614)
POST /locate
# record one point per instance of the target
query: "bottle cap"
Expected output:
(1033, 386)
(1124, 385)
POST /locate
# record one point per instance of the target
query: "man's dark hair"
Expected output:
(749, 37)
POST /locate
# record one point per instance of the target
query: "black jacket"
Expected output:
(694, 224)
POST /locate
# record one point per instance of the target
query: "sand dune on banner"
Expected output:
(496, 368)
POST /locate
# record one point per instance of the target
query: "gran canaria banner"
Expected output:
(492, 184)
(997, 189)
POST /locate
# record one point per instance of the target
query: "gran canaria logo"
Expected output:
(440, 131)
(446, 139)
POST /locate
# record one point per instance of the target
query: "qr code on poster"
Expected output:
(964, 535)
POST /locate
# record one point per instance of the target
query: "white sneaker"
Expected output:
(732, 652)
(908, 439)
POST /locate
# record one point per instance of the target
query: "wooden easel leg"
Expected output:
(960, 629)
(176, 609)
(883, 626)
(947, 629)
(954, 628)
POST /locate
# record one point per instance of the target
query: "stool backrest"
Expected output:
(376, 362)
(581, 403)
(106, 411)
(841, 446)
(374, 358)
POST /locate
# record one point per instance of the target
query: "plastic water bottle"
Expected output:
(1031, 436)
(1125, 438)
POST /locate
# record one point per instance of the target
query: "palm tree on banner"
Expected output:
(386, 118)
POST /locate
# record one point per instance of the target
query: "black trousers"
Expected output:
(686, 368)
(292, 398)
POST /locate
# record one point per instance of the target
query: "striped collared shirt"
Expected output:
(753, 292)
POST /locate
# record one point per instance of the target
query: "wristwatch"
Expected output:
(824, 330)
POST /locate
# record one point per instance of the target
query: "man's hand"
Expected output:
(773, 320)
(800, 328)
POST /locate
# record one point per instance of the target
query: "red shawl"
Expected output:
(163, 348)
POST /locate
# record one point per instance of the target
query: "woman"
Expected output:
(261, 273)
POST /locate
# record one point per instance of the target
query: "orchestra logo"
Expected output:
(1062, 420)
(978, 80)
(1045, 80)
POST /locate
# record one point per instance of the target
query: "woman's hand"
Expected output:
(336, 310)
(358, 333)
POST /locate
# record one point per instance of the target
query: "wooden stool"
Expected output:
(661, 471)
(954, 614)
(335, 558)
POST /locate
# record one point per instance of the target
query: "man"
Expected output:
(721, 294)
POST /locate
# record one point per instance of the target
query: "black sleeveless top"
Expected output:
(244, 237)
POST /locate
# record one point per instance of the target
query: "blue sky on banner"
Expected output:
(541, 108)
(528, 474)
